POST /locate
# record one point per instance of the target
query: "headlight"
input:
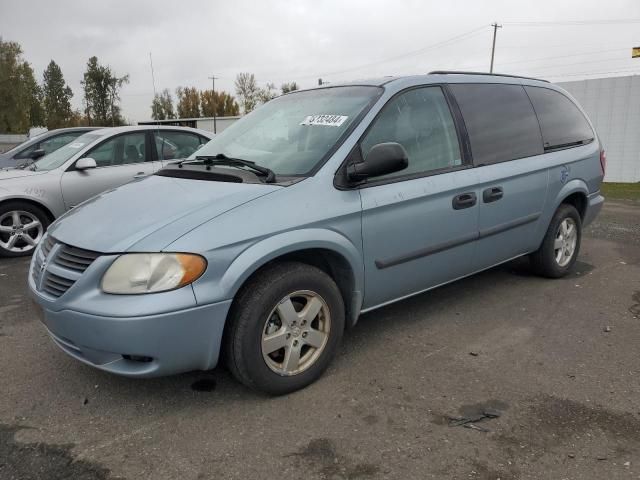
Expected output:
(136, 273)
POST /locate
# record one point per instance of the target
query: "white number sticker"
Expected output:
(325, 120)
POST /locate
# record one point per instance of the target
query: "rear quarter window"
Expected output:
(561, 122)
(500, 122)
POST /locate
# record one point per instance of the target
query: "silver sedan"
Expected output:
(31, 198)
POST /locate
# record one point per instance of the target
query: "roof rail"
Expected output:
(454, 72)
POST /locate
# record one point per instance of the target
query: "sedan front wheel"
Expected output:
(22, 226)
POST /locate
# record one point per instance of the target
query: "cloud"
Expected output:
(282, 40)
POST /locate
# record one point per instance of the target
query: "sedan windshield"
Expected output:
(60, 156)
(292, 134)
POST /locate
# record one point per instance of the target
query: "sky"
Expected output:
(285, 40)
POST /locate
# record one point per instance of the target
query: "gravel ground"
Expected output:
(557, 360)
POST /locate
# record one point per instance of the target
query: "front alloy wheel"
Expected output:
(296, 332)
(284, 328)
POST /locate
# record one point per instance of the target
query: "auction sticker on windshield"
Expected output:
(325, 120)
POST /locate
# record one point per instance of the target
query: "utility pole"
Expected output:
(213, 99)
(493, 47)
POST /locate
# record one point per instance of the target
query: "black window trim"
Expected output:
(563, 146)
(341, 181)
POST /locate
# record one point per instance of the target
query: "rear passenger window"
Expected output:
(500, 122)
(562, 123)
(421, 122)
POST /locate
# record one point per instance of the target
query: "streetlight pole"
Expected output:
(213, 99)
(493, 47)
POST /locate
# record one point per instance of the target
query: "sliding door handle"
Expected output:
(492, 194)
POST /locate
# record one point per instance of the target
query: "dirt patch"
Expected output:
(43, 461)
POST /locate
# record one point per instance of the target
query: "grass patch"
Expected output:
(622, 191)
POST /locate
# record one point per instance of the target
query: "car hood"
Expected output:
(117, 220)
(7, 173)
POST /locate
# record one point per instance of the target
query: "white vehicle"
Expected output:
(31, 198)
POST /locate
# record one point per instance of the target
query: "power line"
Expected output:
(575, 22)
(422, 50)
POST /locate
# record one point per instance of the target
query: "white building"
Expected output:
(613, 105)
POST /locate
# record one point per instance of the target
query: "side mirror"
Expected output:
(382, 159)
(36, 154)
(86, 164)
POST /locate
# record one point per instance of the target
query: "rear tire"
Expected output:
(285, 327)
(561, 244)
(22, 226)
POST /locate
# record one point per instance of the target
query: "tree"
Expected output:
(225, 104)
(162, 106)
(247, 91)
(288, 87)
(102, 94)
(267, 93)
(20, 95)
(188, 102)
(56, 97)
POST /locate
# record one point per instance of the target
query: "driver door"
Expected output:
(119, 160)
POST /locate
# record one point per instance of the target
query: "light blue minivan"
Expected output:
(320, 205)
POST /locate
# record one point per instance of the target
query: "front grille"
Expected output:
(74, 258)
(70, 263)
(56, 285)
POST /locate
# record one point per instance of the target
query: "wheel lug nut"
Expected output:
(304, 334)
(295, 343)
(288, 336)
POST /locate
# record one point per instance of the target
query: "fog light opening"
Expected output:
(138, 358)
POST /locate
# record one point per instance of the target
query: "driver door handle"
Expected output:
(140, 175)
(464, 200)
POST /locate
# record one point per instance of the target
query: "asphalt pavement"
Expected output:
(503, 375)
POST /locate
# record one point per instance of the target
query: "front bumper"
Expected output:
(143, 346)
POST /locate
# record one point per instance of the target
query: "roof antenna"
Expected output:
(155, 94)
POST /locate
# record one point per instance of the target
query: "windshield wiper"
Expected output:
(222, 159)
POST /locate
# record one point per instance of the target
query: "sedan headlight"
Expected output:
(136, 273)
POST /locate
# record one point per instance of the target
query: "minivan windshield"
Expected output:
(60, 156)
(293, 133)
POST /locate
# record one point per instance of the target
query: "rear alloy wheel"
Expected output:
(284, 328)
(560, 245)
(21, 228)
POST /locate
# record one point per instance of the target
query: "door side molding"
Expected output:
(424, 252)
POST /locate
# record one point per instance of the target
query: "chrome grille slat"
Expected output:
(69, 263)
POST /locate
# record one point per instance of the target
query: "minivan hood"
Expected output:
(117, 219)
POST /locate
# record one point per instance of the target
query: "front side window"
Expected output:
(500, 121)
(293, 133)
(61, 155)
(561, 122)
(120, 150)
(173, 145)
(420, 121)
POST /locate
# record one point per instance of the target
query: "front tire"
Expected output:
(285, 327)
(561, 244)
(22, 226)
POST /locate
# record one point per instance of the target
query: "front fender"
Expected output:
(273, 247)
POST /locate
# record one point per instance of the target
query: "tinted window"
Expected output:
(562, 123)
(54, 143)
(421, 122)
(500, 121)
(170, 145)
(120, 150)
